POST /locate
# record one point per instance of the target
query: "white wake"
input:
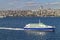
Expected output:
(5, 28)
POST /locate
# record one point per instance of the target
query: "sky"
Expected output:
(29, 4)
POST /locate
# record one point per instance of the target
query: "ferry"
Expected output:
(39, 27)
(33, 27)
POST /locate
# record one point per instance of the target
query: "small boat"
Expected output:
(39, 27)
(2, 16)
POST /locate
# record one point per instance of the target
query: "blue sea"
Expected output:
(20, 22)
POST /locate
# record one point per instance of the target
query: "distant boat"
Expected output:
(39, 27)
(2, 16)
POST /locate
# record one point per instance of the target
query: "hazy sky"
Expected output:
(25, 4)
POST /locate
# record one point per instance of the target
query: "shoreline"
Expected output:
(27, 16)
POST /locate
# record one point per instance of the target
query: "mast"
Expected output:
(39, 21)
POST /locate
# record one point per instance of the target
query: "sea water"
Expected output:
(20, 22)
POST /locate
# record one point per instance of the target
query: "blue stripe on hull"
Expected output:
(40, 29)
